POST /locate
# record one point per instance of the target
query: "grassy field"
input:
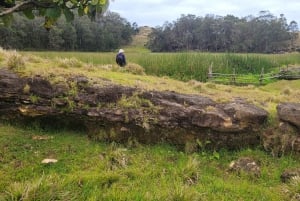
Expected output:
(186, 66)
(89, 170)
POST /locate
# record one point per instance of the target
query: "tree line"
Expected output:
(105, 33)
(265, 33)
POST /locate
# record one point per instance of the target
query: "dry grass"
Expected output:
(14, 60)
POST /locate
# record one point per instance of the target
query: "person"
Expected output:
(120, 58)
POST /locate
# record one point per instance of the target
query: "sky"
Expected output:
(156, 12)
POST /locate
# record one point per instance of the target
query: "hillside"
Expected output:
(139, 41)
(141, 38)
(94, 168)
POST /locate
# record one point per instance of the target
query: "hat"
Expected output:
(121, 51)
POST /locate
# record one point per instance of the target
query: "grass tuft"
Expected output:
(69, 62)
(135, 69)
(15, 61)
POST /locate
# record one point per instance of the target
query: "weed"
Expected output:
(26, 89)
(73, 90)
(34, 98)
(136, 102)
(190, 172)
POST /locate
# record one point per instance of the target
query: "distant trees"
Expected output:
(105, 33)
(265, 33)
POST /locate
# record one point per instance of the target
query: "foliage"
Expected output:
(103, 34)
(265, 33)
(51, 10)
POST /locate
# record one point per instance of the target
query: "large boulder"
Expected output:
(120, 113)
(289, 112)
(285, 137)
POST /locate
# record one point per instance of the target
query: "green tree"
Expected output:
(265, 33)
(55, 39)
(293, 31)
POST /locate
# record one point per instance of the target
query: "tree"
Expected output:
(106, 33)
(265, 33)
(51, 10)
(293, 30)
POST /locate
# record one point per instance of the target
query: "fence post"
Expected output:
(233, 76)
(210, 71)
(261, 77)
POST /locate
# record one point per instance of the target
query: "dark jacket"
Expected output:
(120, 59)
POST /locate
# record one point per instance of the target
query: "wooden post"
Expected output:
(210, 71)
(261, 77)
(233, 76)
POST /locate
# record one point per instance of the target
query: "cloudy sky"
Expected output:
(156, 12)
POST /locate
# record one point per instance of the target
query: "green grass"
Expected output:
(189, 65)
(89, 170)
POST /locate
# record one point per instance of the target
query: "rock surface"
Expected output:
(113, 112)
(284, 138)
(246, 165)
(289, 112)
(290, 174)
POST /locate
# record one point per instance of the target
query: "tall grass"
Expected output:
(189, 65)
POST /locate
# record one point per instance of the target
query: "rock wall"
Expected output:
(113, 112)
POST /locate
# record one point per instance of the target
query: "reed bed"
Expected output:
(188, 65)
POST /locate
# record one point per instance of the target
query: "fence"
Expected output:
(246, 79)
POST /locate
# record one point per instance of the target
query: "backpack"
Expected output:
(120, 59)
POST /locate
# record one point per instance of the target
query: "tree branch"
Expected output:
(15, 8)
(23, 5)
